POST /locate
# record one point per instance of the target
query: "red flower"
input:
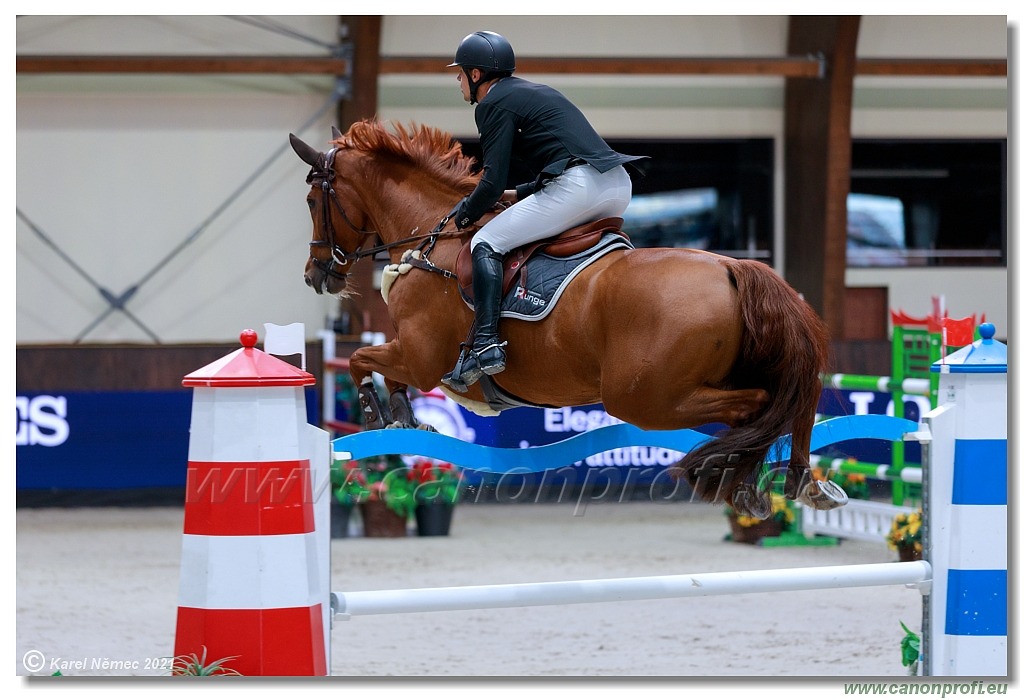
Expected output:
(421, 471)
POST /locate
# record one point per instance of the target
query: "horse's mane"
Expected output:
(432, 149)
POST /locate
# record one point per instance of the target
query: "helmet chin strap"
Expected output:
(473, 84)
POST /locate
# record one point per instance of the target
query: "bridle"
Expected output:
(323, 174)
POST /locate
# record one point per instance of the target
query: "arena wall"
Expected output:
(119, 170)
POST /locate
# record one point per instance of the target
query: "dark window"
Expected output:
(712, 194)
(927, 203)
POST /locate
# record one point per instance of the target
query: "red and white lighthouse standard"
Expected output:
(251, 579)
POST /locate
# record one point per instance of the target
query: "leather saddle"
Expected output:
(564, 245)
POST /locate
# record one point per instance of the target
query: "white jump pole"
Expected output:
(513, 595)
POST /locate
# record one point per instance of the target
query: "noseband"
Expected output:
(324, 174)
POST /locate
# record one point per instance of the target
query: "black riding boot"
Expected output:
(487, 356)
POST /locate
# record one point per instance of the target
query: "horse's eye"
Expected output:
(310, 203)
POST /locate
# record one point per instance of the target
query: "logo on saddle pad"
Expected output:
(543, 277)
(529, 297)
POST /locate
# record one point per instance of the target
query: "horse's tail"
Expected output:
(784, 351)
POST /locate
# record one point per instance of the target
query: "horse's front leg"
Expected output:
(389, 361)
(362, 364)
(402, 415)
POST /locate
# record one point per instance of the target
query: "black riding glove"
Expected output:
(461, 220)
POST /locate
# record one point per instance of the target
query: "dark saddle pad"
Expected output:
(538, 274)
(565, 245)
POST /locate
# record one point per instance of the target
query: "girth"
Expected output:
(565, 244)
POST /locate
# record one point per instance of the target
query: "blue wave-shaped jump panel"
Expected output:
(506, 460)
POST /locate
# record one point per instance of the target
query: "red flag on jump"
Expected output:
(959, 332)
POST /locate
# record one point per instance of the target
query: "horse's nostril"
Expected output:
(309, 280)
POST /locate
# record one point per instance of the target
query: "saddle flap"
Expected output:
(564, 245)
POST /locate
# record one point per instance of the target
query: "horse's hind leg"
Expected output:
(800, 485)
(718, 476)
(749, 499)
(818, 494)
(703, 405)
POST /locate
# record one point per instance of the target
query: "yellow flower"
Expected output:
(905, 531)
(781, 511)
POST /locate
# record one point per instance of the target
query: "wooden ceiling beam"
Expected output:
(182, 64)
(788, 67)
(793, 66)
(932, 67)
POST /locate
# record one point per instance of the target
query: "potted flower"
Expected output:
(437, 487)
(905, 536)
(751, 530)
(380, 487)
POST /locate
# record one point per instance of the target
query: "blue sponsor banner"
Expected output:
(526, 427)
(119, 440)
(530, 427)
(106, 440)
(842, 402)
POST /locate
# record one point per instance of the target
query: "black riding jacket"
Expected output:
(538, 125)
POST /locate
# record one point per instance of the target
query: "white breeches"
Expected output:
(578, 195)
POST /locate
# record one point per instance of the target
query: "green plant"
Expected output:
(855, 485)
(382, 478)
(910, 649)
(782, 511)
(905, 532)
(435, 481)
(192, 665)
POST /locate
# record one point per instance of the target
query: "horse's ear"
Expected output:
(335, 134)
(307, 153)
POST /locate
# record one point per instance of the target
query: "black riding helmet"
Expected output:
(488, 51)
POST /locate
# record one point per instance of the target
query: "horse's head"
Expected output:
(339, 231)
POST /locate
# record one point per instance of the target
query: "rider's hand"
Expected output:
(453, 217)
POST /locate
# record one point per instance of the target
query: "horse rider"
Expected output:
(579, 178)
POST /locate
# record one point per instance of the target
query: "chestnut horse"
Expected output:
(664, 338)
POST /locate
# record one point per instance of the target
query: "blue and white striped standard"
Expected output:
(967, 519)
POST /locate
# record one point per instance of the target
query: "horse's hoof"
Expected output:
(756, 504)
(823, 495)
(428, 428)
